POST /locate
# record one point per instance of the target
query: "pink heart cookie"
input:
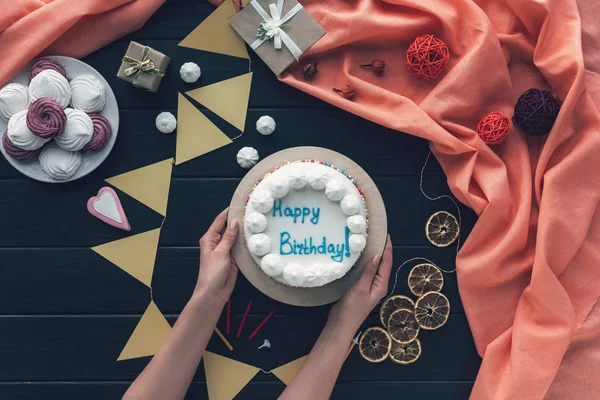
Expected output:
(107, 207)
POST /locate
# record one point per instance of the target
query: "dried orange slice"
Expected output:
(425, 278)
(375, 345)
(402, 326)
(392, 304)
(432, 310)
(406, 353)
(442, 229)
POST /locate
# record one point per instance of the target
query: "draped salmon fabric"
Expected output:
(72, 28)
(529, 273)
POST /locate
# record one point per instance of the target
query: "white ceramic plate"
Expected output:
(90, 160)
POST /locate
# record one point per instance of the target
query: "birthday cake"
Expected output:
(306, 223)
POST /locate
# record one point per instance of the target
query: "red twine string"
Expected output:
(427, 57)
(493, 128)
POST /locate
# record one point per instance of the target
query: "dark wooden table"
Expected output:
(66, 313)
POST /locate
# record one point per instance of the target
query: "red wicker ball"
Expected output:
(427, 57)
(493, 128)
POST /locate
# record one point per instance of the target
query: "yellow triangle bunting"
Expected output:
(225, 377)
(228, 99)
(214, 34)
(287, 372)
(196, 135)
(148, 185)
(148, 335)
(134, 254)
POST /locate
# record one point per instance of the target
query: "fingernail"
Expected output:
(234, 224)
(389, 237)
(376, 260)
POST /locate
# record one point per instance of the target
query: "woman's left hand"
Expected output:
(218, 272)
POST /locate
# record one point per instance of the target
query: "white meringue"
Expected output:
(78, 130)
(247, 157)
(87, 93)
(271, 264)
(58, 163)
(294, 274)
(50, 83)
(317, 275)
(190, 72)
(262, 201)
(350, 205)
(357, 242)
(298, 178)
(356, 224)
(259, 244)
(279, 187)
(335, 190)
(255, 222)
(20, 135)
(166, 122)
(265, 125)
(337, 270)
(14, 97)
(317, 179)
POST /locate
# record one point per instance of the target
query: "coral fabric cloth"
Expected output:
(72, 28)
(529, 273)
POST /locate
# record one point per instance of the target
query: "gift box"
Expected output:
(278, 31)
(143, 66)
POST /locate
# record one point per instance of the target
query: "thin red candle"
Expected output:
(259, 327)
(239, 331)
(228, 320)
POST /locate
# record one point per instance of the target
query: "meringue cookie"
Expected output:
(271, 264)
(15, 152)
(20, 135)
(256, 222)
(166, 122)
(190, 72)
(259, 244)
(317, 179)
(52, 84)
(317, 275)
(87, 94)
(298, 178)
(46, 118)
(78, 130)
(43, 64)
(357, 242)
(279, 187)
(335, 190)
(262, 201)
(14, 97)
(294, 274)
(58, 163)
(350, 205)
(356, 224)
(247, 157)
(265, 125)
(101, 135)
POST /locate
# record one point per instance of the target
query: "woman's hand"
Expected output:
(218, 272)
(350, 312)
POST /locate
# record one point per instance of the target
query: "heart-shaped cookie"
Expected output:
(106, 206)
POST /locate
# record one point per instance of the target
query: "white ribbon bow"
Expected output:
(272, 27)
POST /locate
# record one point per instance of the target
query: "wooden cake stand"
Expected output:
(308, 297)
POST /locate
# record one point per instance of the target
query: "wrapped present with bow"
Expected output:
(279, 31)
(143, 66)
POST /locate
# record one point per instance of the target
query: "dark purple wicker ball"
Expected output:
(536, 112)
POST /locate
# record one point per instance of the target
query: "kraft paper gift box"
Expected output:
(143, 66)
(301, 29)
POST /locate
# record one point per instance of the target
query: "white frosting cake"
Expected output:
(306, 223)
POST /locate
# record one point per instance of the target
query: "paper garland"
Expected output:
(228, 99)
(134, 254)
(215, 34)
(287, 372)
(217, 367)
(148, 335)
(196, 135)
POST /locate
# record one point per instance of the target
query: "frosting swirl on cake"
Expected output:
(58, 163)
(271, 264)
(78, 130)
(14, 97)
(50, 83)
(87, 93)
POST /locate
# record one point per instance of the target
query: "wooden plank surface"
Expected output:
(65, 312)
